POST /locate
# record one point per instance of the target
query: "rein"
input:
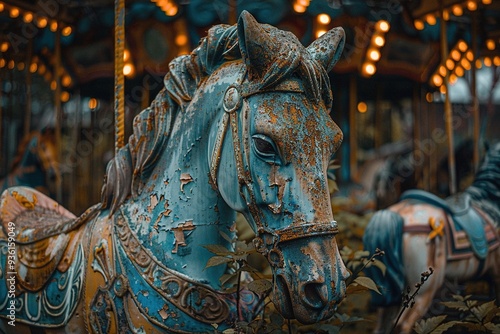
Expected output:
(267, 240)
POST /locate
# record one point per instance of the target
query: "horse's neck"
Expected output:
(28, 172)
(178, 212)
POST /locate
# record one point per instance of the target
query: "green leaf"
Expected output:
(367, 283)
(260, 286)
(217, 260)
(218, 250)
(427, 326)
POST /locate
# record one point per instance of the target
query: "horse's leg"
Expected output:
(418, 257)
(495, 272)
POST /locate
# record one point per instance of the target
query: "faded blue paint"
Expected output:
(242, 125)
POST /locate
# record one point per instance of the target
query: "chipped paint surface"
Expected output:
(194, 159)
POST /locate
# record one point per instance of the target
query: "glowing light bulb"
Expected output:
(324, 18)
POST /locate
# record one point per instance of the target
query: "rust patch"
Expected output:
(185, 179)
(24, 201)
(164, 312)
(180, 239)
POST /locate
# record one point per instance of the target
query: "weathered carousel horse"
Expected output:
(35, 163)
(457, 237)
(242, 124)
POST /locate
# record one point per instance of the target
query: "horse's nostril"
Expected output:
(315, 295)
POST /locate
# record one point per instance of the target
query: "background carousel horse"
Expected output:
(35, 163)
(215, 140)
(458, 238)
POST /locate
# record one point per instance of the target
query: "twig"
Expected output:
(351, 278)
(409, 301)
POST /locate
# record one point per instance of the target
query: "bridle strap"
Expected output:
(233, 104)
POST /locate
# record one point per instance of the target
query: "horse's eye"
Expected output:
(263, 146)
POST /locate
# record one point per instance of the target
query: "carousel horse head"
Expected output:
(248, 130)
(35, 164)
(277, 114)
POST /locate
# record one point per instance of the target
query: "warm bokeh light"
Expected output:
(64, 96)
(14, 12)
(470, 55)
(369, 68)
(42, 69)
(465, 63)
(455, 54)
(324, 18)
(374, 54)
(442, 89)
(2, 7)
(299, 8)
(28, 17)
(362, 107)
(92, 103)
(11, 64)
(487, 2)
(487, 61)
(437, 80)
(457, 10)
(459, 71)
(490, 44)
(453, 79)
(496, 61)
(419, 25)
(53, 85)
(446, 15)
(42, 22)
(320, 33)
(21, 66)
(126, 55)
(128, 70)
(172, 11)
(442, 70)
(181, 39)
(383, 26)
(379, 41)
(430, 19)
(33, 67)
(429, 97)
(53, 26)
(2, 63)
(479, 64)
(66, 31)
(66, 80)
(471, 5)
(450, 64)
(462, 46)
(4, 47)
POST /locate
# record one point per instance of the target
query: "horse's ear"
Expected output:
(255, 45)
(328, 48)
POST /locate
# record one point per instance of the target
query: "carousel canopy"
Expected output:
(393, 40)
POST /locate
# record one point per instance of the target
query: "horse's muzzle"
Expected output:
(312, 280)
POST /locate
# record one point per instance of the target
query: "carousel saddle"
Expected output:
(44, 233)
(463, 216)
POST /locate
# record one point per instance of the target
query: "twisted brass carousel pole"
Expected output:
(119, 76)
(447, 106)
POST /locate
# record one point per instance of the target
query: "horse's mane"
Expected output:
(127, 173)
(485, 190)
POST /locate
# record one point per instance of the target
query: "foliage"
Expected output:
(476, 317)
(409, 300)
(269, 320)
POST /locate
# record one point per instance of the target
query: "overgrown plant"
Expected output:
(269, 320)
(476, 317)
(408, 300)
